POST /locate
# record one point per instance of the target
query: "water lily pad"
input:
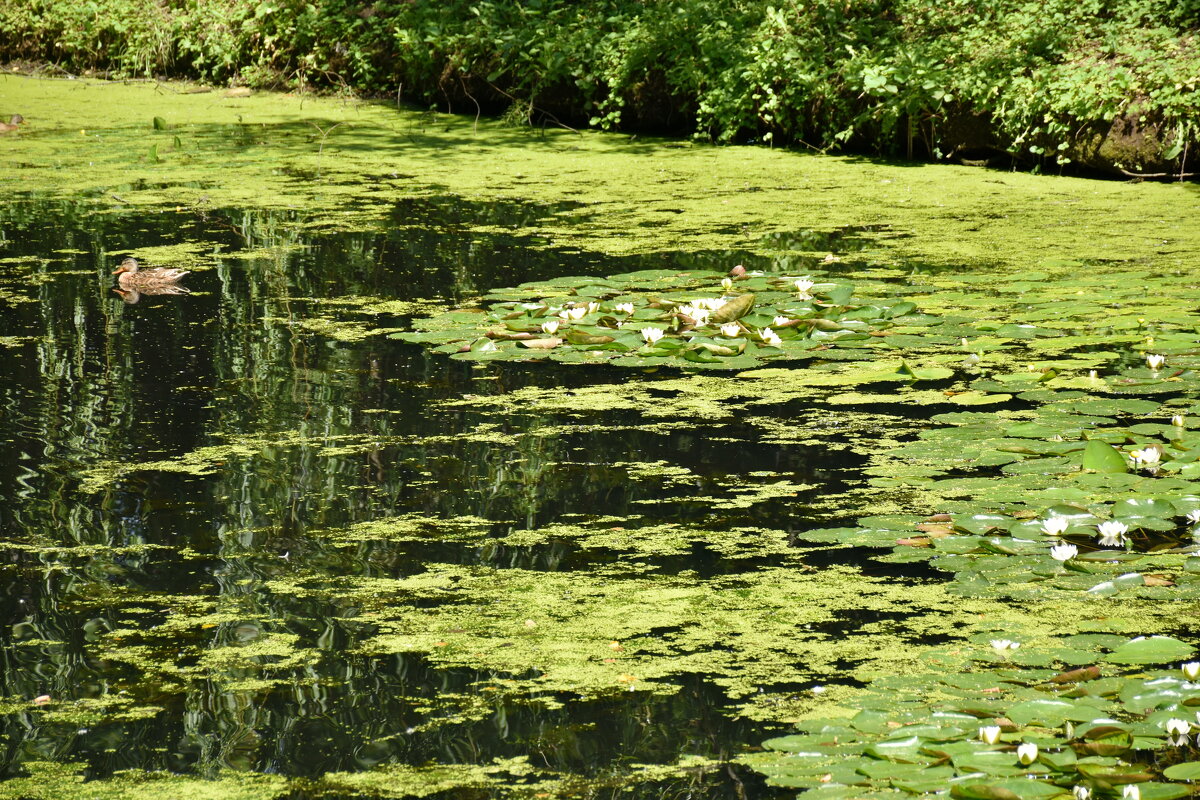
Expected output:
(1103, 457)
(1151, 650)
(1187, 771)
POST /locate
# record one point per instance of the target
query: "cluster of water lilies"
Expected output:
(1027, 753)
(667, 314)
(693, 315)
(1040, 736)
(1109, 533)
(1178, 730)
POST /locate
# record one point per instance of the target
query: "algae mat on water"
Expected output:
(347, 161)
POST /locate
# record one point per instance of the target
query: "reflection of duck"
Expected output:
(157, 280)
(131, 296)
(13, 123)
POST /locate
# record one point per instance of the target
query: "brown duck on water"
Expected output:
(131, 277)
(13, 123)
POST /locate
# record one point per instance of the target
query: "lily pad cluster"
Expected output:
(1148, 544)
(1003, 721)
(681, 317)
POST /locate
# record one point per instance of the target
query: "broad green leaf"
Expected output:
(1102, 457)
(1187, 771)
(1151, 650)
(982, 791)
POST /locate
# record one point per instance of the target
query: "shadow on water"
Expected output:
(255, 434)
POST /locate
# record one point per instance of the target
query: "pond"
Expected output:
(326, 525)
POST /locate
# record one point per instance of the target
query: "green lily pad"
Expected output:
(1187, 771)
(1151, 650)
(1102, 457)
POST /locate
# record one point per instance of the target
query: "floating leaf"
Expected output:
(735, 309)
(1048, 712)
(1187, 771)
(1151, 650)
(1114, 775)
(1102, 457)
(1077, 675)
(542, 344)
(1105, 740)
(982, 791)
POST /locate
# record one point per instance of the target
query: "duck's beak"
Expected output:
(118, 270)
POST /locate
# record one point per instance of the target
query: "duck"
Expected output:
(132, 277)
(13, 123)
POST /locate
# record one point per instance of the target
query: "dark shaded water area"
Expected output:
(162, 456)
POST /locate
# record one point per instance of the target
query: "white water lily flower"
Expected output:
(624, 308)
(1191, 670)
(1093, 374)
(1177, 731)
(1147, 455)
(550, 327)
(1055, 526)
(770, 337)
(1131, 792)
(802, 286)
(1155, 362)
(593, 307)
(1082, 793)
(1177, 420)
(1193, 516)
(780, 320)
(652, 335)
(579, 312)
(1027, 753)
(1001, 645)
(731, 329)
(1112, 533)
(989, 734)
(1064, 552)
(727, 284)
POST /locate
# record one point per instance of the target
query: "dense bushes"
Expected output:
(1111, 83)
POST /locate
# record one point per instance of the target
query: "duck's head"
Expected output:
(16, 119)
(129, 265)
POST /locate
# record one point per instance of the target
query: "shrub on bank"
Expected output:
(1109, 84)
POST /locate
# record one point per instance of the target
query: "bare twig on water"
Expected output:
(324, 133)
(478, 110)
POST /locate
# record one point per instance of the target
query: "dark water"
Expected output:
(103, 382)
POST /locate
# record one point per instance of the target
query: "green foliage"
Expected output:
(1046, 81)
